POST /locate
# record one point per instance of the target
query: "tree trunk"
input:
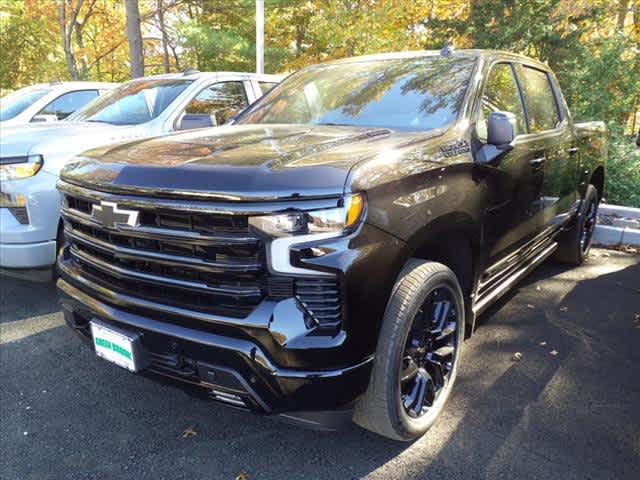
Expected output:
(163, 31)
(623, 8)
(66, 40)
(83, 57)
(134, 35)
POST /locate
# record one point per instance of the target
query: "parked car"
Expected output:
(48, 102)
(327, 254)
(32, 155)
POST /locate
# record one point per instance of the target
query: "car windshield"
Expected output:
(133, 103)
(17, 102)
(418, 93)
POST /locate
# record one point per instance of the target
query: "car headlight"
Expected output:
(330, 221)
(293, 228)
(16, 170)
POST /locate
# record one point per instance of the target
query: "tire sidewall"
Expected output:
(590, 197)
(406, 426)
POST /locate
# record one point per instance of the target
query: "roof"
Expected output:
(195, 75)
(73, 85)
(468, 53)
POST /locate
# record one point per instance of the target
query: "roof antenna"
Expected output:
(448, 48)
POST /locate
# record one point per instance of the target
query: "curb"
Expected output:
(618, 211)
(608, 235)
(617, 225)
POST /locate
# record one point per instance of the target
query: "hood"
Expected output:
(61, 140)
(243, 162)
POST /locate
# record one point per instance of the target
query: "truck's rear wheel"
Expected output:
(575, 243)
(417, 354)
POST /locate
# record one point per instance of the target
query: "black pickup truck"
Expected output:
(326, 255)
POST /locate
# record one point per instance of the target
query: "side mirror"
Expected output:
(44, 118)
(501, 132)
(501, 128)
(189, 121)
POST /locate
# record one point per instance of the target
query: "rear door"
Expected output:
(514, 179)
(553, 140)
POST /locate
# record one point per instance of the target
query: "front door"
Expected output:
(514, 180)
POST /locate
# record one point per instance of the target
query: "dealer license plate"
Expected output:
(114, 345)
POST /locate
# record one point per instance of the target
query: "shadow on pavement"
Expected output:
(568, 409)
(20, 299)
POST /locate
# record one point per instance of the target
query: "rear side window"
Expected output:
(541, 103)
(501, 93)
(221, 101)
(266, 86)
(66, 104)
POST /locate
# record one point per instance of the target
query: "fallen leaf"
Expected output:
(564, 309)
(242, 476)
(516, 357)
(189, 432)
(553, 352)
(542, 344)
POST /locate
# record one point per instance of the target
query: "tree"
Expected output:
(134, 35)
(165, 41)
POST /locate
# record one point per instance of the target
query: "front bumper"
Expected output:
(32, 244)
(27, 255)
(229, 368)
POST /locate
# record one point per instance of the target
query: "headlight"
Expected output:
(330, 221)
(289, 229)
(18, 170)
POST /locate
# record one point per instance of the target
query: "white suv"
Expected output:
(31, 156)
(48, 102)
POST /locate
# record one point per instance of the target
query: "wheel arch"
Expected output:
(597, 180)
(453, 240)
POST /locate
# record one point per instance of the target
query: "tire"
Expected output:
(575, 243)
(421, 287)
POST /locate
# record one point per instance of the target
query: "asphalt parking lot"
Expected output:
(569, 408)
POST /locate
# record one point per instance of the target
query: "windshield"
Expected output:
(17, 102)
(133, 103)
(419, 93)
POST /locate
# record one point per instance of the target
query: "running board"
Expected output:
(502, 288)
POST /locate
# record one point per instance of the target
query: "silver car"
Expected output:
(32, 156)
(48, 102)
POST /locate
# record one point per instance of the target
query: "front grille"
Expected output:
(178, 255)
(207, 262)
(20, 214)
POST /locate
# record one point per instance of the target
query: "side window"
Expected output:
(266, 86)
(221, 101)
(501, 93)
(66, 104)
(541, 103)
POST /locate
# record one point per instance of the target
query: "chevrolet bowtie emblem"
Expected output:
(109, 215)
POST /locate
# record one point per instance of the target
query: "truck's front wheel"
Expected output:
(417, 353)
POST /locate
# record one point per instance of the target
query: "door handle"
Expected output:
(572, 150)
(537, 162)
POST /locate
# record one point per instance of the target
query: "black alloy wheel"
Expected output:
(429, 353)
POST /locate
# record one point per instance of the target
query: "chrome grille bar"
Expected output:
(161, 258)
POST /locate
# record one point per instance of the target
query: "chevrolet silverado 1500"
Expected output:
(330, 251)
